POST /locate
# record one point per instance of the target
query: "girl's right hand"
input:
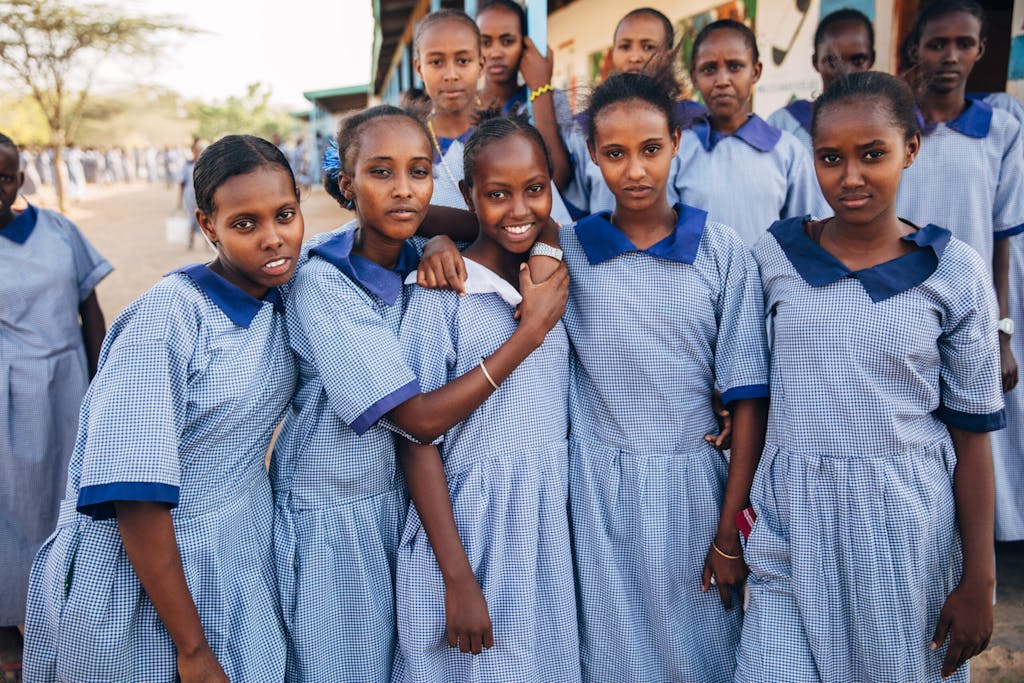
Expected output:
(543, 304)
(466, 617)
(966, 617)
(200, 667)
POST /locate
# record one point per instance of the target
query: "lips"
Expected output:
(278, 266)
(637, 191)
(519, 230)
(854, 200)
(403, 212)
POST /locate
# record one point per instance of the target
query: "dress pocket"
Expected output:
(29, 412)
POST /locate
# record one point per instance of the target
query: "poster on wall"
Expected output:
(785, 37)
(1015, 75)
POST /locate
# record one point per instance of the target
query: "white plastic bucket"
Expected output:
(176, 229)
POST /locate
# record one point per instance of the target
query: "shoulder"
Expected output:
(963, 263)
(789, 147)
(1004, 126)
(423, 301)
(59, 224)
(723, 243)
(172, 311)
(316, 240)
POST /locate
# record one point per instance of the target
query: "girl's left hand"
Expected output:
(727, 574)
(723, 440)
(1007, 363)
(536, 68)
(442, 266)
(967, 618)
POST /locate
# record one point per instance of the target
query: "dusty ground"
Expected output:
(126, 224)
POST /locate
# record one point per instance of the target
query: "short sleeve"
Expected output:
(429, 337)
(90, 266)
(741, 354)
(1008, 208)
(355, 351)
(971, 390)
(133, 416)
(803, 194)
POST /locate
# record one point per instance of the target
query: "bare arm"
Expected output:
(467, 620)
(93, 329)
(967, 614)
(147, 532)
(750, 420)
(1001, 280)
(427, 416)
(458, 224)
(537, 71)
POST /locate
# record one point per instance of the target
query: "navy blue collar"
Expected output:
(239, 306)
(973, 122)
(446, 143)
(384, 284)
(801, 111)
(819, 268)
(21, 226)
(756, 132)
(601, 240)
(517, 100)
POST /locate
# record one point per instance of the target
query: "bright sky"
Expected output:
(291, 45)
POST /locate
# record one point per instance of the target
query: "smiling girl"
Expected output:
(742, 171)
(161, 567)
(488, 536)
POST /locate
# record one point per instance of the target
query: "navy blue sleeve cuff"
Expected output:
(98, 501)
(383, 406)
(747, 391)
(972, 422)
(1009, 232)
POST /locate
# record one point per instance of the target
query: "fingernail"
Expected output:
(933, 646)
(522, 266)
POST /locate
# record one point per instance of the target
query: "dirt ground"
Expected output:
(126, 224)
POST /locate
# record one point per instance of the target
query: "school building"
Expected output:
(580, 34)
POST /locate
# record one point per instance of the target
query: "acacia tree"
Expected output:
(54, 47)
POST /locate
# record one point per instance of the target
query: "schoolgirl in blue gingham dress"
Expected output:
(194, 377)
(856, 545)
(335, 535)
(507, 471)
(645, 488)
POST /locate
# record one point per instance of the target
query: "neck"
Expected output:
(452, 124)
(939, 107)
(381, 249)
(500, 93)
(244, 284)
(490, 254)
(866, 237)
(727, 125)
(645, 227)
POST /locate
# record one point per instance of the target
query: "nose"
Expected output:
(402, 186)
(635, 170)
(852, 176)
(636, 56)
(272, 237)
(951, 55)
(450, 72)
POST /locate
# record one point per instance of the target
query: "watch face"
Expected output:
(1006, 326)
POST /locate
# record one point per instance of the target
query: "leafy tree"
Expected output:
(250, 114)
(53, 47)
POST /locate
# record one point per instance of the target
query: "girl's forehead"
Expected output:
(641, 26)
(724, 38)
(449, 35)
(9, 160)
(952, 24)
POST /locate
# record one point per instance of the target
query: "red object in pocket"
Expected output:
(745, 521)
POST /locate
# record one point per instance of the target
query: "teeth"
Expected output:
(518, 229)
(275, 264)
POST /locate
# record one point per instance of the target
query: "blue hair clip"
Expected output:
(331, 163)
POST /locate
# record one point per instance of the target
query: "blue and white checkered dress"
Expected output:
(49, 270)
(654, 332)
(449, 168)
(340, 497)
(795, 119)
(1008, 444)
(507, 471)
(747, 180)
(982, 202)
(856, 545)
(194, 377)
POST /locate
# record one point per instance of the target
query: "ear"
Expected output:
(981, 48)
(871, 61)
(206, 225)
(911, 148)
(677, 135)
(416, 67)
(592, 151)
(467, 194)
(757, 73)
(346, 186)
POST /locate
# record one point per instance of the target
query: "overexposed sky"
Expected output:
(291, 45)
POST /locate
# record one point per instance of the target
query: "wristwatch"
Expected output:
(1005, 326)
(542, 249)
